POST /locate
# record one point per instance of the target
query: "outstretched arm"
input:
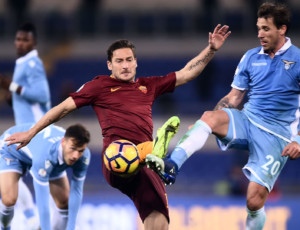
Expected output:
(53, 115)
(194, 67)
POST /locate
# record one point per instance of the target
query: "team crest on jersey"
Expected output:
(42, 172)
(287, 64)
(47, 164)
(143, 89)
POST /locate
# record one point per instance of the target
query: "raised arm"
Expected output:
(194, 67)
(53, 115)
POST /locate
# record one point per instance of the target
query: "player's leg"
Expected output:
(256, 198)
(25, 201)
(215, 122)
(147, 192)
(60, 190)
(262, 169)
(9, 195)
(156, 221)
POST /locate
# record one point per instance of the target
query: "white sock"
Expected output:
(256, 219)
(6, 215)
(191, 142)
(59, 218)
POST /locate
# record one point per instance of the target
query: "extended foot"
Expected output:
(164, 136)
(165, 168)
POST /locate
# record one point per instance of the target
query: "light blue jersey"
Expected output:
(44, 158)
(34, 100)
(273, 89)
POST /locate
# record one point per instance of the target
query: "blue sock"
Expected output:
(179, 156)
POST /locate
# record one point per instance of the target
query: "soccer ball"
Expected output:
(121, 157)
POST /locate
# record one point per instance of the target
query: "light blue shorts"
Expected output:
(9, 163)
(265, 161)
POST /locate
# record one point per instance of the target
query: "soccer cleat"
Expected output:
(164, 136)
(165, 168)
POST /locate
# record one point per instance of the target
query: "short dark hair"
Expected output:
(79, 133)
(279, 12)
(28, 27)
(119, 44)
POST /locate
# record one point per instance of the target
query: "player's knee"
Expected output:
(62, 204)
(254, 204)
(9, 200)
(211, 118)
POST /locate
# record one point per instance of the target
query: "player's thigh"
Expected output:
(10, 172)
(60, 189)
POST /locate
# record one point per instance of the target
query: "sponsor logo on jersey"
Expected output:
(114, 89)
(42, 172)
(259, 64)
(47, 164)
(143, 89)
(287, 64)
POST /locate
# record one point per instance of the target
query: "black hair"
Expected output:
(279, 12)
(79, 133)
(28, 27)
(119, 44)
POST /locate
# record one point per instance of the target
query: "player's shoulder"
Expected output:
(253, 51)
(294, 51)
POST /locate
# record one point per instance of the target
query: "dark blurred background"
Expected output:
(73, 37)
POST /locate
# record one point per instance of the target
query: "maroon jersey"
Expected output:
(124, 109)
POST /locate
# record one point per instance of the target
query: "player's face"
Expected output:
(123, 64)
(271, 38)
(24, 43)
(71, 152)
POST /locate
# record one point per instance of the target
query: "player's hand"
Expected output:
(292, 150)
(4, 82)
(218, 37)
(22, 138)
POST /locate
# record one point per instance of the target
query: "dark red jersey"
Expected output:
(124, 109)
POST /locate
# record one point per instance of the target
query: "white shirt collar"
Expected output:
(32, 53)
(60, 155)
(286, 45)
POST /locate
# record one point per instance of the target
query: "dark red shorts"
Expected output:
(145, 189)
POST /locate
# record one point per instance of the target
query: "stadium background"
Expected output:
(72, 39)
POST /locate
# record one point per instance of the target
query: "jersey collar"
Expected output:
(60, 155)
(286, 45)
(32, 53)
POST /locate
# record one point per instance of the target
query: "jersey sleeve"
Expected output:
(75, 198)
(37, 88)
(163, 84)
(42, 195)
(86, 93)
(76, 190)
(241, 76)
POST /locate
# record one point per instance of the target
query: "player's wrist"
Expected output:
(13, 87)
(297, 139)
